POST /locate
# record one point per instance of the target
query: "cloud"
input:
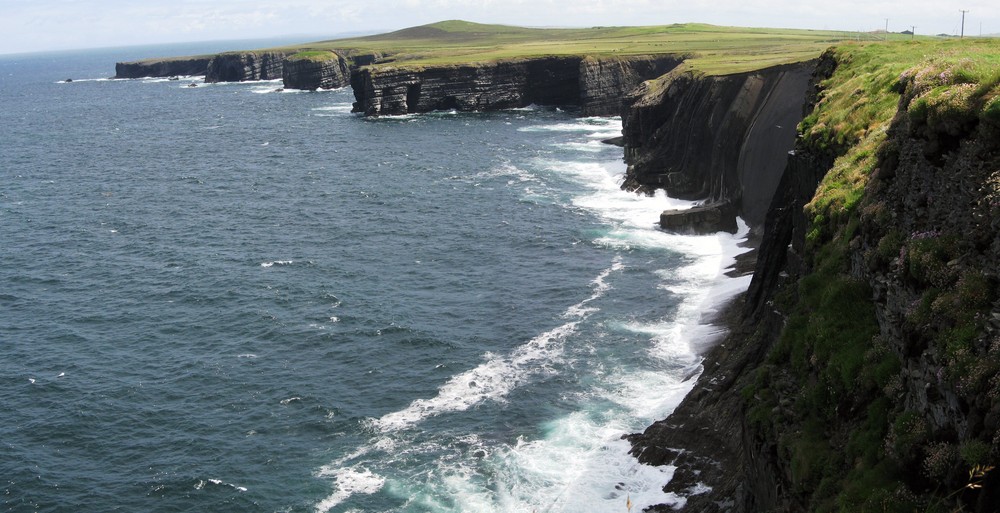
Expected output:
(51, 24)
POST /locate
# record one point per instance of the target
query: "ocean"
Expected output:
(234, 298)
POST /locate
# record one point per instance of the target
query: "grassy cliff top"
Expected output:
(712, 49)
(953, 78)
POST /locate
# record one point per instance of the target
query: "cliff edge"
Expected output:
(863, 369)
(720, 139)
(596, 85)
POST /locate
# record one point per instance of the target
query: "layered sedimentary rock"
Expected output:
(605, 82)
(316, 72)
(243, 66)
(163, 68)
(715, 138)
(595, 85)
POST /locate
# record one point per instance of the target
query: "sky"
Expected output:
(45, 25)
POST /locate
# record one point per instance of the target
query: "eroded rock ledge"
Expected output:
(596, 85)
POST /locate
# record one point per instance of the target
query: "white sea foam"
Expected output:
(581, 465)
(268, 89)
(350, 481)
(513, 174)
(584, 125)
(495, 378)
(160, 80)
(74, 80)
(580, 462)
(334, 110)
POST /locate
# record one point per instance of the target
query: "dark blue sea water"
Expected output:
(228, 298)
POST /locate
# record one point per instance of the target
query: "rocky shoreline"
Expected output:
(878, 291)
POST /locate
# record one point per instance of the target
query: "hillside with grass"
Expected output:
(710, 48)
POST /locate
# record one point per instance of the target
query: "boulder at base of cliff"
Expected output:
(703, 219)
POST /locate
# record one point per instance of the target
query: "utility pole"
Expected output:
(887, 29)
(963, 23)
(913, 31)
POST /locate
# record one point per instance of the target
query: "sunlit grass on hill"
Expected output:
(711, 49)
(860, 101)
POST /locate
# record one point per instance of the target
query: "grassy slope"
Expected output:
(828, 393)
(715, 50)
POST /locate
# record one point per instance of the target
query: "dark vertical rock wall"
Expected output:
(311, 74)
(243, 66)
(500, 85)
(715, 138)
(744, 472)
(191, 66)
(597, 86)
(605, 82)
(925, 238)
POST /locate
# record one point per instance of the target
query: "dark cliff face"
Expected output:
(718, 449)
(243, 66)
(502, 85)
(312, 73)
(861, 370)
(606, 82)
(167, 68)
(595, 85)
(719, 138)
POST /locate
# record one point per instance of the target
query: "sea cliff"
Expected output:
(596, 85)
(862, 367)
(720, 139)
(244, 66)
(862, 372)
(316, 70)
(186, 66)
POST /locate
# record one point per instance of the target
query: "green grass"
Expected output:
(859, 102)
(712, 49)
(313, 55)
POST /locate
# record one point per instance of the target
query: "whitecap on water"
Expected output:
(201, 484)
(495, 378)
(277, 262)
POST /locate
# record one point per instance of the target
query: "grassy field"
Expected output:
(712, 49)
